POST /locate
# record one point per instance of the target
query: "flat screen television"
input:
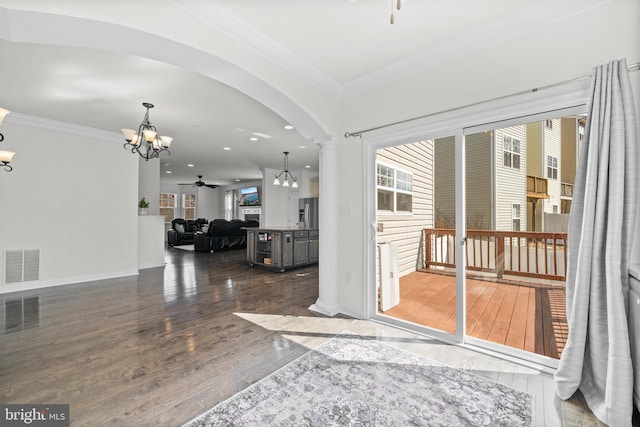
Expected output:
(249, 196)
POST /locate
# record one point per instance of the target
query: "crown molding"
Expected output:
(70, 128)
(538, 15)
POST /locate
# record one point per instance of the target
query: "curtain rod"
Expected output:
(632, 67)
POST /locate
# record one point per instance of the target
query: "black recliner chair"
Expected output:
(181, 232)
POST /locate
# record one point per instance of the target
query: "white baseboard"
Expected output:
(40, 284)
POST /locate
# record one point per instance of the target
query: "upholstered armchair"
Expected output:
(181, 232)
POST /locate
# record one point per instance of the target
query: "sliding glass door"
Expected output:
(415, 236)
(471, 233)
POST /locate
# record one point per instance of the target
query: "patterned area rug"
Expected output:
(352, 380)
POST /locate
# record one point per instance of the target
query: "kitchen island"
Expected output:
(282, 248)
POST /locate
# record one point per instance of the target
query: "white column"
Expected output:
(327, 302)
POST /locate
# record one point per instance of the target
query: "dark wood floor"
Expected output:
(157, 349)
(526, 316)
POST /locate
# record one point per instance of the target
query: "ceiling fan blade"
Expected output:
(211, 185)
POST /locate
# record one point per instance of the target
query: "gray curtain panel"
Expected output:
(596, 358)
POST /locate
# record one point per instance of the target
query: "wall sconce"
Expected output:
(5, 156)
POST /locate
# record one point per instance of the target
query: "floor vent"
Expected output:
(22, 265)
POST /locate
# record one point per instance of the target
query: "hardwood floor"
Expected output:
(526, 316)
(162, 347)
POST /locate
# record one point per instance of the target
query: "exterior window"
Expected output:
(555, 208)
(548, 124)
(515, 216)
(552, 167)
(168, 206)
(189, 206)
(511, 148)
(395, 189)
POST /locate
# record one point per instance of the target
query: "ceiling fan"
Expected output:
(200, 183)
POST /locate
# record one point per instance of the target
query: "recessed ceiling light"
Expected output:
(253, 138)
(190, 165)
(169, 172)
(308, 166)
(237, 180)
(262, 135)
(288, 127)
(227, 148)
(302, 146)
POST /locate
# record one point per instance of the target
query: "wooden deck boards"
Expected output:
(527, 316)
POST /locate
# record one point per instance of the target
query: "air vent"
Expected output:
(22, 265)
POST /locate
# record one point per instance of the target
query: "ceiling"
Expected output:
(343, 47)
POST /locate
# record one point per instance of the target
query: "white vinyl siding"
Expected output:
(405, 229)
(552, 148)
(511, 184)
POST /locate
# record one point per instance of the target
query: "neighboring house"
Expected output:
(552, 156)
(543, 171)
(492, 204)
(516, 176)
(404, 184)
(572, 134)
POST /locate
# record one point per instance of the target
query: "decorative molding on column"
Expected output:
(327, 302)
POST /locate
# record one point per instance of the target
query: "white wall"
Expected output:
(209, 203)
(275, 202)
(72, 196)
(149, 183)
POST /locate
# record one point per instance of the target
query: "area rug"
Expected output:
(184, 247)
(352, 380)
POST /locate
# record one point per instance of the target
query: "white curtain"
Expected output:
(596, 358)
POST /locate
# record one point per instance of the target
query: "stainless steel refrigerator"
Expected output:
(308, 212)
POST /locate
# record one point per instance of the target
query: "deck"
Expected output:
(524, 315)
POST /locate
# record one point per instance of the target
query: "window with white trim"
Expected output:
(511, 149)
(515, 216)
(395, 189)
(552, 167)
(168, 206)
(189, 206)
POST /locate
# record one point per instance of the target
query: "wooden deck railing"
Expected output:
(530, 254)
(536, 185)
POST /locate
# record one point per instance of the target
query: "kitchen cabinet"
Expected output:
(282, 248)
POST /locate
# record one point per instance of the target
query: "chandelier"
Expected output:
(286, 173)
(5, 156)
(146, 141)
